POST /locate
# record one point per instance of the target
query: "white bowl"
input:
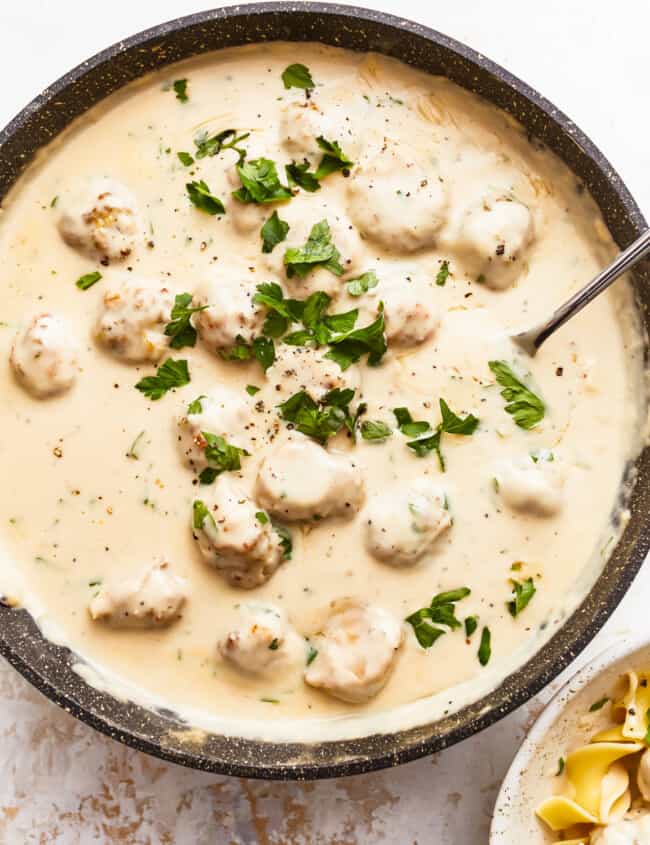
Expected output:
(564, 723)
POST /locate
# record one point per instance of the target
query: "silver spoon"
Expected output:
(531, 340)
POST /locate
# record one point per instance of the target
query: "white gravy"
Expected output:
(76, 510)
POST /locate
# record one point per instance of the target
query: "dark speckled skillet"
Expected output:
(48, 666)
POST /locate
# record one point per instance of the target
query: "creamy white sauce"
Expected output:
(76, 507)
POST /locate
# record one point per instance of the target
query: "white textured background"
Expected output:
(62, 783)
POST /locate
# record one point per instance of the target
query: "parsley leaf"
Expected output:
(319, 420)
(598, 705)
(526, 408)
(297, 76)
(443, 274)
(426, 439)
(221, 457)
(212, 145)
(485, 647)
(524, 591)
(471, 624)
(88, 280)
(318, 251)
(262, 349)
(169, 375)
(200, 196)
(441, 611)
(298, 174)
(260, 182)
(273, 232)
(195, 406)
(262, 517)
(362, 284)
(252, 389)
(347, 348)
(180, 89)
(286, 540)
(560, 766)
(333, 160)
(185, 159)
(375, 430)
(453, 424)
(199, 515)
(181, 330)
(312, 654)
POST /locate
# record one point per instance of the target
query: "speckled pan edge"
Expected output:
(49, 667)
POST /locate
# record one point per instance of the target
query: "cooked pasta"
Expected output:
(605, 797)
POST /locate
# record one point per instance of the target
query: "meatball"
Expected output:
(301, 480)
(44, 356)
(235, 536)
(222, 412)
(303, 121)
(231, 313)
(153, 599)
(395, 203)
(264, 643)
(303, 368)
(102, 221)
(532, 485)
(493, 236)
(633, 830)
(409, 312)
(403, 524)
(356, 651)
(133, 320)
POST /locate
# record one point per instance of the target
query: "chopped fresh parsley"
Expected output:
(443, 274)
(362, 284)
(524, 591)
(262, 349)
(319, 420)
(485, 647)
(262, 517)
(300, 175)
(375, 430)
(598, 705)
(318, 251)
(180, 329)
(134, 448)
(169, 375)
(195, 406)
(312, 654)
(273, 232)
(185, 159)
(471, 624)
(441, 611)
(199, 515)
(274, 645)
(526, 408)
(286, 541)
(260, 182)
(221, 457)
(560, 767)
(252, 389)
(333, 160)
(180, 89)
(88, 280)
(212, 145)
(426, 439)
(297, 76)
(200, 196)
(350, 346)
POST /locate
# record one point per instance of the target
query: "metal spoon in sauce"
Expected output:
(531, 340)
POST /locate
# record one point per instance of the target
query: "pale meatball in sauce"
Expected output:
(264, 643)
(101, 220)
(44, 356)
(532, 484)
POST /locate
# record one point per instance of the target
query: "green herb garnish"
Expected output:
(199, 515)
(195, 406)
(180, 329)
(200, 196)
(312, 654)
(526, 408)
(286, 541)
(260, 182)
(362, 284)
(524, 591)
(88, 280)
(485, 648)
(185, 159)
(300, 175)
(375, 430)
(252, 389)
(221, 457)
(180, 89)
(598, 705)
(262, 349)
(443, 274)
(321, 419)
(471, 624)
(560, 767)
(349, 347)
(262, 517)
(273, 232)
(169, 375)
(333, 160)
(428, 440)
(441, 611)
(212, 145)
(318, 251)
(297, 76)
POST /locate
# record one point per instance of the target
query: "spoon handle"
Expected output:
(532, 339)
